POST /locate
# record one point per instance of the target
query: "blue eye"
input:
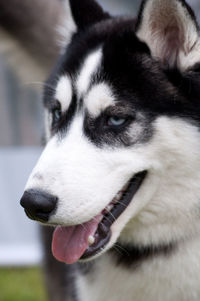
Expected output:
(116, 121)
(56, 115)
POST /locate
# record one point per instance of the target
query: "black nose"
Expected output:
(38, 205)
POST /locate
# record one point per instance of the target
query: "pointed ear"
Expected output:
(170, 30)
(78, 15)
(86, 12)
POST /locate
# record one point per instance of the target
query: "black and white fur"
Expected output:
(148, 73)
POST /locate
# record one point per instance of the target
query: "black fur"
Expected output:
(137, 80)
(144, 89)
(134, 256)
(87, 13)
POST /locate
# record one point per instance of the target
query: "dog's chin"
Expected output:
(87, 241)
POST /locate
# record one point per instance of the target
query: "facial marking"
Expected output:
(48, 121)
(98, 99)
(88, 69)
(64, 92)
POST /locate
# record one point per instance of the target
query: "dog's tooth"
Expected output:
(119, 196)
(114, 200)
(91, 240)
(109, 207)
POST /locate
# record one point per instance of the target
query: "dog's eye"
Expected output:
(116, 121)
(56, 113)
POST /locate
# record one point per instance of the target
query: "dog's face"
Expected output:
(121, 114)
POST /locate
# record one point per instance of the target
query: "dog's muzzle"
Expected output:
(85, 241)
(81, 241)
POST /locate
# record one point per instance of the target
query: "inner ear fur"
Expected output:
(170, 30)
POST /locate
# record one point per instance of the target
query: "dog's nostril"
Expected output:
(38, 205)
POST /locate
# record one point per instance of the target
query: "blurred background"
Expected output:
(21, 132)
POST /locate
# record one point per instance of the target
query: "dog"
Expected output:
(119, 177)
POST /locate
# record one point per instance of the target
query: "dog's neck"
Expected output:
(145, 277)
(132, 256)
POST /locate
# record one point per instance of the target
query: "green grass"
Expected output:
(22, 285)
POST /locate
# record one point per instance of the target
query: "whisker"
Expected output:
(39, 84)
(118, 251)
(118, 202)
(105, 218)
(111, 214)
(123, 249)
(84, 227)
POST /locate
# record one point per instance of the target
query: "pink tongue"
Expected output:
(70, 243)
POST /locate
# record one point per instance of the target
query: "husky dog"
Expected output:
(120, 174)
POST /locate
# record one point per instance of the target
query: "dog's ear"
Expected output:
(170, 30)
(87, 12)
(79, 14)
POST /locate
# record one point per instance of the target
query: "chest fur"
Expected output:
(162, 278)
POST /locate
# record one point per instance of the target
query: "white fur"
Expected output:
(168, 158)
(98, 99)
(64, 92)
(164, 210)
(173, 278)
(170, 33)
(47, 122)
(75, 161)
(172, 214)
(89, 68)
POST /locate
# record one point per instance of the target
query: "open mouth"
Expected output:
(87, 240)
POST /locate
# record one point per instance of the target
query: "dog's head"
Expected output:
(122, 108)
